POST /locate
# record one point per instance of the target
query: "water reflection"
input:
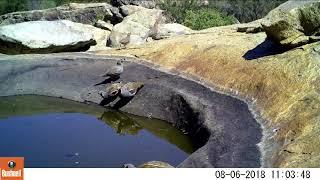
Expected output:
(121, 122)
(146, 138)
(130, 124)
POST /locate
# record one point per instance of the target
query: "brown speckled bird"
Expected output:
(130, 89)
(112, 90)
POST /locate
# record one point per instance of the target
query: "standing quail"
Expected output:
(115, 70)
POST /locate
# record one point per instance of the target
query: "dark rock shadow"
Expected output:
(107, 100)
(109, 80)
(122, 102)
(186, 120)
(266, 48)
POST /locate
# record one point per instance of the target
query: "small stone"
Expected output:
(128, 166)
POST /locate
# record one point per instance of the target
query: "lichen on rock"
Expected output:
(294, 25)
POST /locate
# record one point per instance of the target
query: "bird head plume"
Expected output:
(120, 62)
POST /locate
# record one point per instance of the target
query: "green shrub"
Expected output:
(205, 18)
(242, 10)
(192, 15)
(177, 9)
(7, 6)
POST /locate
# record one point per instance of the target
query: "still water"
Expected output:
(52, 132)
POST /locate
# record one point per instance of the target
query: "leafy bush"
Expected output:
(192, 14)
(178, 9)
(223, 10)
(206, 18)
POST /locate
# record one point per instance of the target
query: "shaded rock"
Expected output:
(44, 37)
(81, 13)
(293, 23)
(103, 25)
(143, 3)
(116, 15)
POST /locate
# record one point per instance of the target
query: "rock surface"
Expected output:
(103, 25)
(219, 123)
(146, 17)
(170, 30)
(99, 35)
(44, 37)
(128, 32)
(127, 10)
(281, 87)
(135, 28)
(294, 23)
(80, 13)
(139, 24)
(155, 164)
(144, 3)
(129, 24)
(252, 27)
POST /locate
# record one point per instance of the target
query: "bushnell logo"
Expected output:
(11, 168)
(12, 164)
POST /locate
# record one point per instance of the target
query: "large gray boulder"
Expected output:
(169, 30)
(294, 23)
(81, 13)
(128, 33)
(44, 37)
(99, 35)
(135, 28)
(147, 17)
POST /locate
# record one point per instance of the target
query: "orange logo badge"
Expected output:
(11, 168)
